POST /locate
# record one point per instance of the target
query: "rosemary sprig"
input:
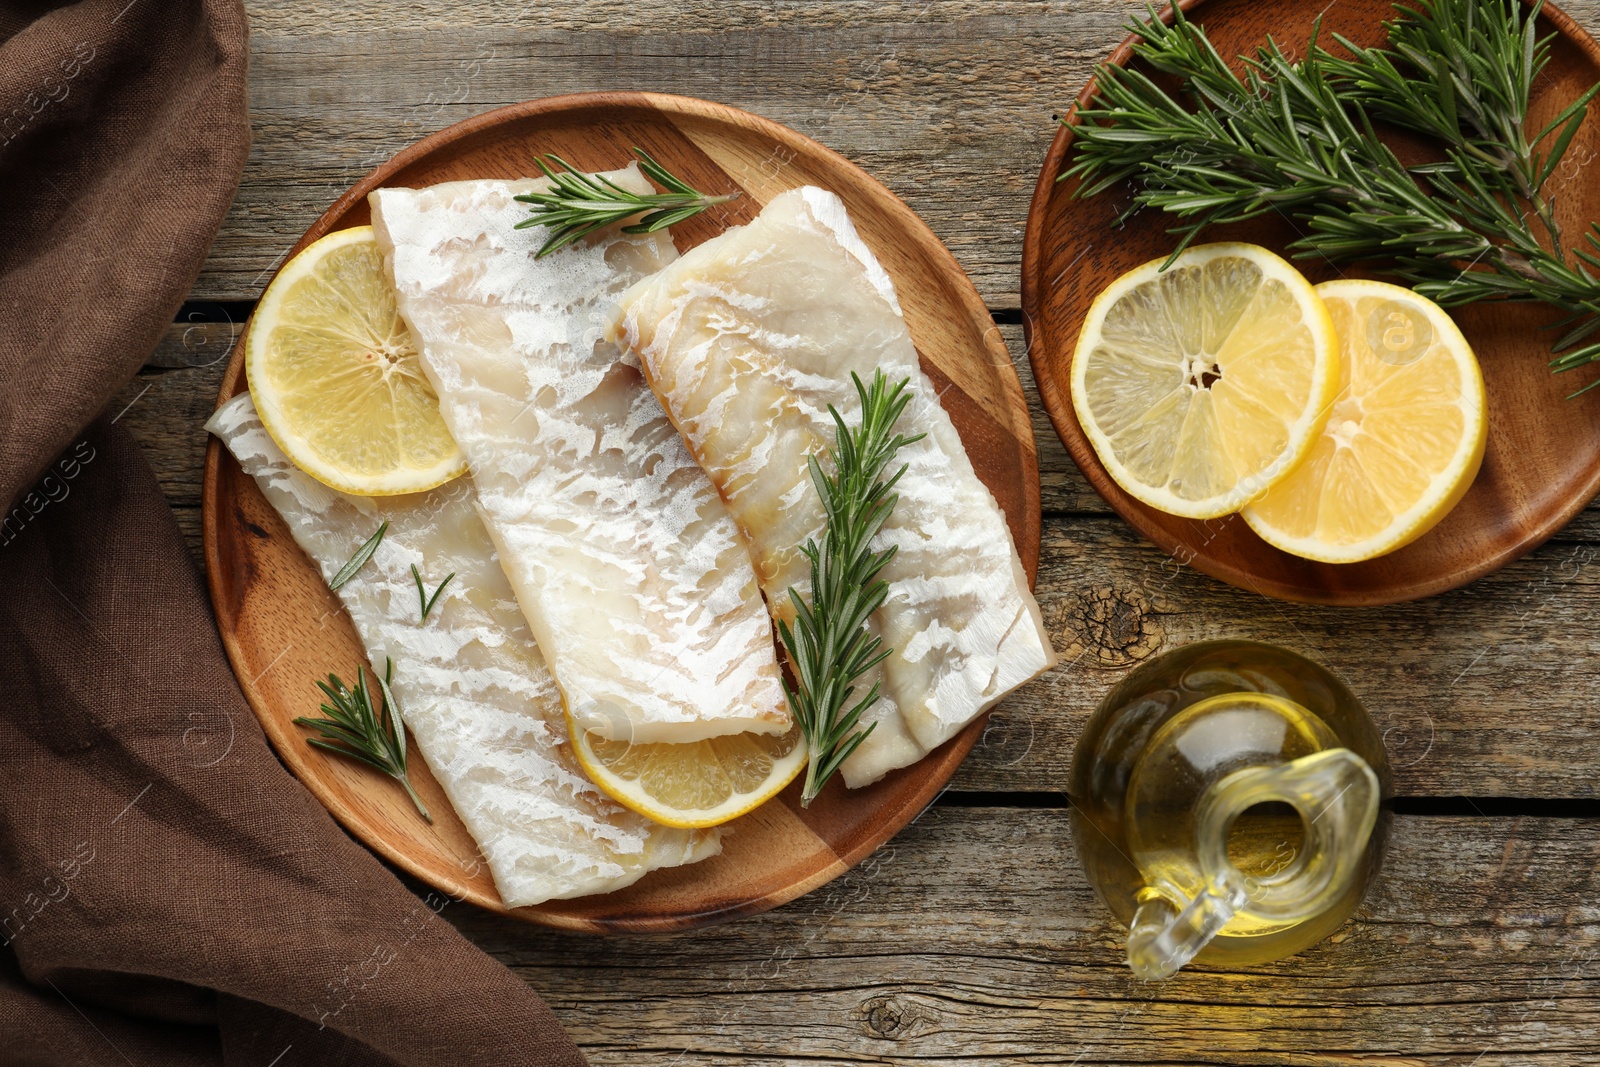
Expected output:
(355, 729)
(359, 560)
(1463, 74)
(578, 204)
(425, 602)
(1298, 138)
(829, 645)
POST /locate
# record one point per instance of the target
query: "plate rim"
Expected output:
(1059, 407)
(933, 771)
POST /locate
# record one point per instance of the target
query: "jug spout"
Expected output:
(1163, 938)
(1336, 795)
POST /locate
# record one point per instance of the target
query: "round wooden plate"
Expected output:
(282, 626)
(1542, 464)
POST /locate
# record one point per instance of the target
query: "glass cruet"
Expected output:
(1227, 805)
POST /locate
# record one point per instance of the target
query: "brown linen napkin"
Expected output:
(168, 893)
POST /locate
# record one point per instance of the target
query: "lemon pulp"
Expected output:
(1403, 442)
(1202, 384)
(695, 783)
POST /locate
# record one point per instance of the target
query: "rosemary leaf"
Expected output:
(424, 601)
(359, 560)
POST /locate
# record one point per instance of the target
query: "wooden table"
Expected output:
(972, 938)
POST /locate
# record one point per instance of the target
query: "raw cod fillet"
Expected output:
(471, 685)
(627, 565)
(747, 339)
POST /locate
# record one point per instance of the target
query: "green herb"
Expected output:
(1463, 74)
(425, 601)
(354, 729)
(1298, 138)
(829, 645)
(579, 204)
(359, 560)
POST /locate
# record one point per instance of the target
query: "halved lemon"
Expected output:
(1404, 440)
(336, 379)
(1202, 384)
(695, 783)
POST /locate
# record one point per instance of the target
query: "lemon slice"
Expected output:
(1404, 440)
(1201, 385)
(695, 783)
(336, 379)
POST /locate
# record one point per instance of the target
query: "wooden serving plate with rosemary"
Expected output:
(284, 630)
(1542, 463)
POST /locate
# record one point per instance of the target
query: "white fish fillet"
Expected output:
(471, 685)
(627, 565)
(747, 339)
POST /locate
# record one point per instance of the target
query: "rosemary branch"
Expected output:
(829, 645)
(353, 728)
(1463, 74)
(578, 204)
(1298, 138)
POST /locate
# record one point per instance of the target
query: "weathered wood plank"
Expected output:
(948, 103)
(1485, 691)
(974, 939)
(166, 405)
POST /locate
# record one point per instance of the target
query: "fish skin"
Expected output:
(629, 569)
(747, 340)
(471, 685)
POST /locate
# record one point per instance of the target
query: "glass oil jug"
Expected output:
(1226, 805)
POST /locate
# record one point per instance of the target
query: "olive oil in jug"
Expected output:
(1226, 805)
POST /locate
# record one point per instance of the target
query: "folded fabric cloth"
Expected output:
(168, 893)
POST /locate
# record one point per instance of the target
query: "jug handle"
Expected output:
(1337, 796)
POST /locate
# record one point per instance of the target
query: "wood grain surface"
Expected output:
(283, 628)
(972, 938)
(1540, 466)
(973, 941)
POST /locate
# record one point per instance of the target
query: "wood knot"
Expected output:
(885, 1017)
(1114, 627)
